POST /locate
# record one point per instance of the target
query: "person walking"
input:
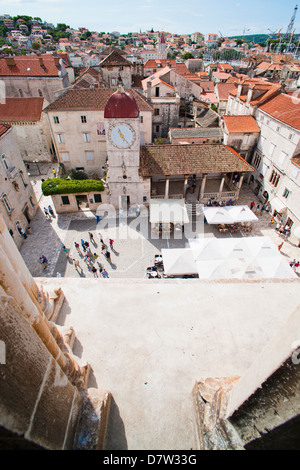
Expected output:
(94, 271)
(91, 237)
(111, 243)
(280, 246)
(100, 238)
(104, 273)
(296, 265)
(77, 265)
(257, 209)
(46, 213)
(252, 205)
(50, 210)
(77, 246)
(107, 255)
(65, 250)
(54, 173)
(95, 255)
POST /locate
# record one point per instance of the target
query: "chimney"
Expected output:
(249, 95)
(10, 61)
(149, 91)
(239, 90)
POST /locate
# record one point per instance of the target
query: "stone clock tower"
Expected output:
(122, 128)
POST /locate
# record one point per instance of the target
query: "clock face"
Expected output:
(122, 135)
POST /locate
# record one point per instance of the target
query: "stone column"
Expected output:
(185, 185)
(17, 283)
(167, 188)
(221, 186)
(203, 183)
(240, 185)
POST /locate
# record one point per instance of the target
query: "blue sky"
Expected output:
(231, 17)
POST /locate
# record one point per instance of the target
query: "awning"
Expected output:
(277, 205)
(168, 211)
(229, 214)
(178, 262)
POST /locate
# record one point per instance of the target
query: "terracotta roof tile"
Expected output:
(285, 108)
(92, 99)
(245, 124)
(115, 59)
(21, 110)
(3, 128)
(30, 66)
(176, 159)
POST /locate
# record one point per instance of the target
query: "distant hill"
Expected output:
(255, 38)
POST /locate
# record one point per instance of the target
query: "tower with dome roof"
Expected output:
(122, 128)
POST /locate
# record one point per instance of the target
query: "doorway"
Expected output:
(26, 214)
(82, 202)
(125, 203)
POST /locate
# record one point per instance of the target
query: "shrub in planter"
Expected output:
(54, 186)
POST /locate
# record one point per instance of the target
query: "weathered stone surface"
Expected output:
(54, 409)
(92, 423)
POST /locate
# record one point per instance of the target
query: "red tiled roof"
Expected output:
(176, 159)
(30, 66)
(3, 128)
(224, 89)
(21, 110)
(285, 108)
(115, 59)
(91, 99)
(245, 124)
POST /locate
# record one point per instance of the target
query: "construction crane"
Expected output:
(289, 30)
(221, 34)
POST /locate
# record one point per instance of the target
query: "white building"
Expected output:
(276, 158)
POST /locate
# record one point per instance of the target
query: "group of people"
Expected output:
(259, 209)
(49, 212)
(89, 257)
(282, 229)
(43, 261)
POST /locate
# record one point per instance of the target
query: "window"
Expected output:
(282, 158)
(86, 137)
(22, 179)
(246, 139)
(271, 149)
(97, 198)
(274, 180)
(7, 203)
(141, 119)
(65, 156)
(157, 91)
(256, 160)
(65, 200)
(60, 138)
(278, 129)
(56, 119)
(40, 92)
(286, 193)
(20, 92)
(90, 156)
(157, 129)
(4, 162)
(113, 81)
(156, 112)
(261, 118)
(291, 136)
(83, 119)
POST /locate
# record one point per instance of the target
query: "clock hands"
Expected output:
(122, 137)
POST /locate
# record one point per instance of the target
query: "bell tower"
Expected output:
(122, 128)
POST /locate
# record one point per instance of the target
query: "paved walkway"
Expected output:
(132, 252)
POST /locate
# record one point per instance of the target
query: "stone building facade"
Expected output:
(29, 76)
(76, 120)
(18, 203)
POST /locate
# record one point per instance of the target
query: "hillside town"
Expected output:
(141, 164)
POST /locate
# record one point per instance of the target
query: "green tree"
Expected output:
(188, 55)
(36, 46)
